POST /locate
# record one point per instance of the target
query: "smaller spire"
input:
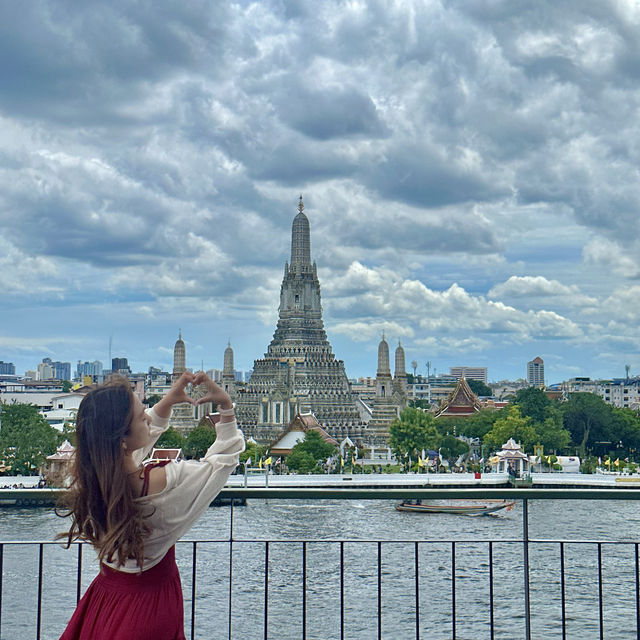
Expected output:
(179, 334)
(300, 205)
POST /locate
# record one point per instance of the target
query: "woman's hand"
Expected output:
(214, 394)
(176, 395)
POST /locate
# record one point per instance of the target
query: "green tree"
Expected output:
(625, 428)
(26, 439)
(474, 426)
(312, 448)
(254, 451)
(588, 418)
(551, 436)
(419, 403)
(171, 439)
(533, 403)
(412, 432)
(480, 388)
(513, 425)
(451, 448)
(66, 386)
(199, 440)
(153, 399)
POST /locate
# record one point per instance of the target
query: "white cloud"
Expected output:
(607, 254)
(541, 287)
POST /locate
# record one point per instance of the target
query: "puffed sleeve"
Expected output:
(192, 485)
(158, 427)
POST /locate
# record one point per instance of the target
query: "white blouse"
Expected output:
(191, 487)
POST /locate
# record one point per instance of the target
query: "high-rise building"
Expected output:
(93, 369)
(7, 368)
(299, 372)
(535, 372)
(50, 370)
(470, 373)
(120, 365)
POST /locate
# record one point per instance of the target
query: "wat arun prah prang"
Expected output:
(299, 372)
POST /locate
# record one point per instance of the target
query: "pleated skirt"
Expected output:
(126, 606)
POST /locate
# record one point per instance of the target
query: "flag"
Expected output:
(260, 464)
(599, 460)
(268, 460)
(248, 461)
(279, 461)
(420, 462)
(617, 462)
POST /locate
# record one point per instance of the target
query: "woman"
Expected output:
(133, 514)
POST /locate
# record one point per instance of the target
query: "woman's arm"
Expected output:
(192, 485)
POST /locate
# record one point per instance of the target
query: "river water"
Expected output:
(359, 523)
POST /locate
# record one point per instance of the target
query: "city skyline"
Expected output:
(469, 173)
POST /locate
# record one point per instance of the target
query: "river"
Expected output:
(358, 521)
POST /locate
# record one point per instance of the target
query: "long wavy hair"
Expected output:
(101, 500)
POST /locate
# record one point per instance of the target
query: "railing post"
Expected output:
(194, 559)
(1, 574)
(230, 565)
(525, 550)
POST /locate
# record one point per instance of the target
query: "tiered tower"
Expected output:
(400, 373)
(228, 374)
(385, 405)
(182, 415)
(299, 372)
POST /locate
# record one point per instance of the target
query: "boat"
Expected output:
(467, 508)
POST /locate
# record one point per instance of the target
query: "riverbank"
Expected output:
(34, 497)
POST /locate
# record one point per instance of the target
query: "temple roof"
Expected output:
(293, 434)
(460, 403)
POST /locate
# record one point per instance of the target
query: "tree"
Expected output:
(533, 403)
(588, 418)
(301, 461)
(552, 436)
(451, 448)
(474, 426)
(152, 400)
(199, 440)
(479, 388)
(254, 451)
(312, 449)
(412, 432)
(26, 438)
(513, 425)
(66, 386)
(419, 403)
(171, 439)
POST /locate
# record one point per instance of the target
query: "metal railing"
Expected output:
(412, 593)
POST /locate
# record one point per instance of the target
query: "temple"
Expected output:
(462, 402)
(391, 393)
(299, 373)
(183, 418)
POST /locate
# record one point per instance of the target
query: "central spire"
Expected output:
(300, 239)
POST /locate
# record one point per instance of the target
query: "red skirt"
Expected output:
(126, 606)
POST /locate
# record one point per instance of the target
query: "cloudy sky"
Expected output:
(469, 170)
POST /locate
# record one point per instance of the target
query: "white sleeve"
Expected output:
(192, 485)
(158, 427)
